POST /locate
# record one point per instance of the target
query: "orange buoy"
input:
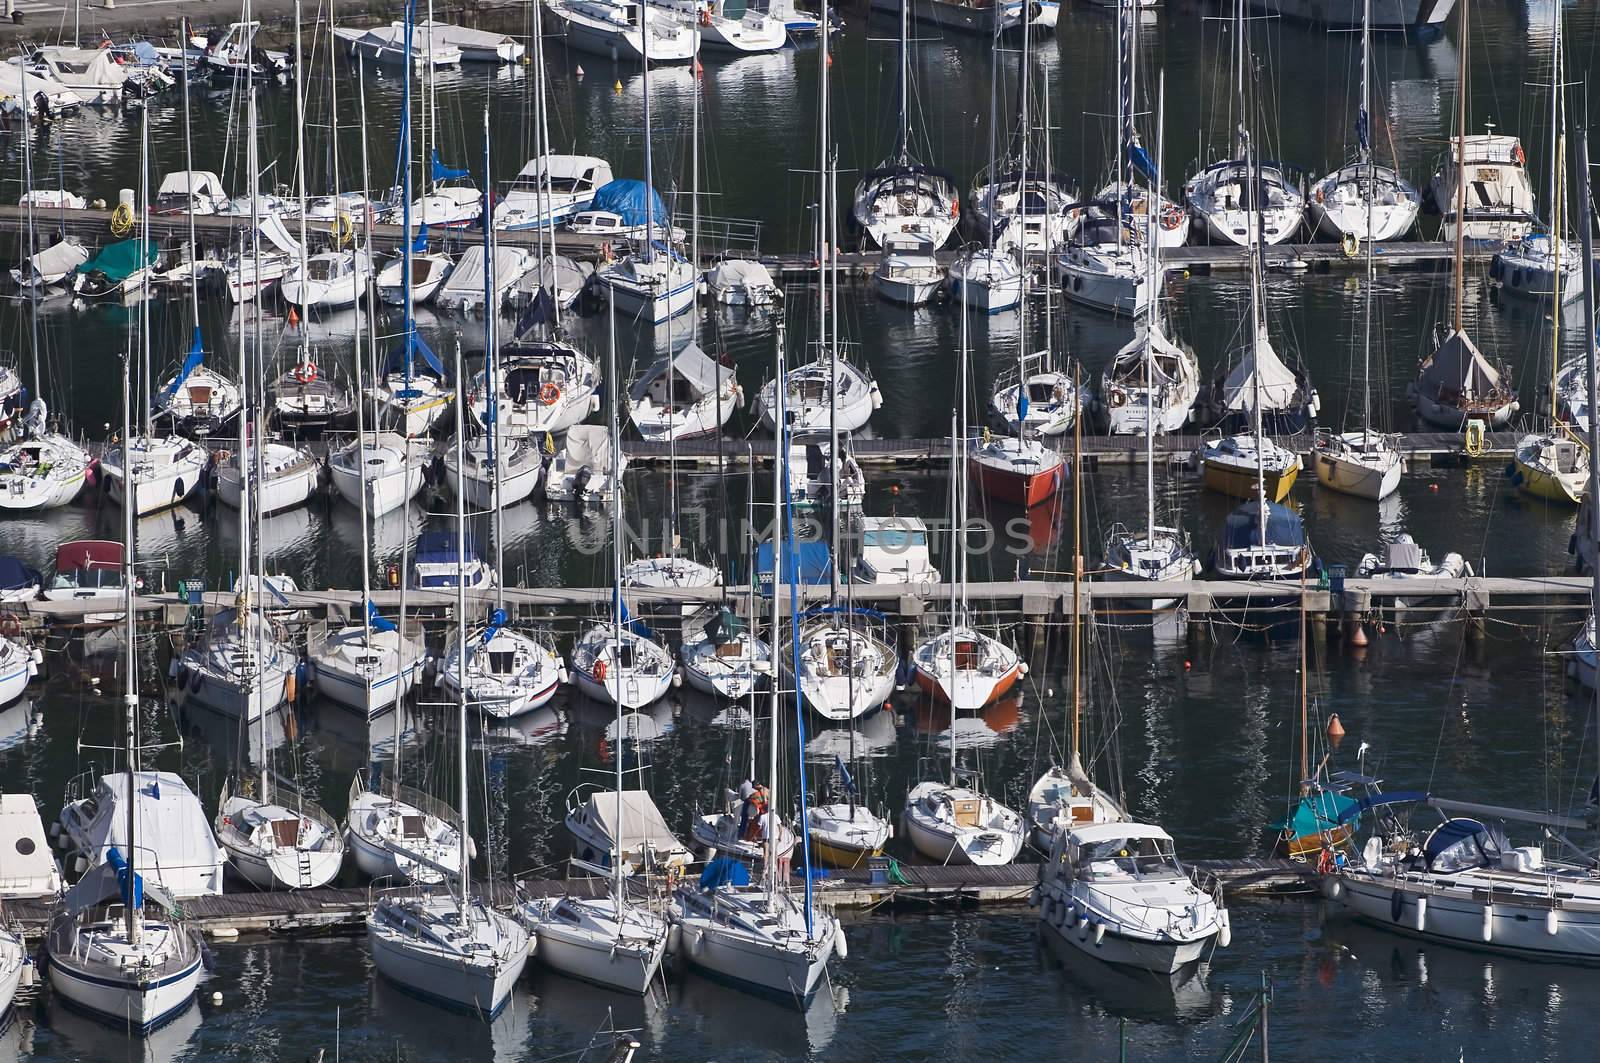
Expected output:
(1358, 637)
(294, 318)
(1335, 728)
(289, 688)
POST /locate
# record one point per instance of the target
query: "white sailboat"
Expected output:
(447, 946)
(124, 968)
(684, 396)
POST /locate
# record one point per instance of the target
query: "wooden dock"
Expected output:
(342, 910)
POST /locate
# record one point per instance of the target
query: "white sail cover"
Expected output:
(1260, 376)
(642, 823)
(277, 234)
(191, 182)
(176, 847)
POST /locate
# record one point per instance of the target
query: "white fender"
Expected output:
(1083, 928)
(1060, 913)
(697, 942)
(1332, 887)
(1488, 922)
(841, 948)
(1046, 907)
(533, 943)
(1551, 922)
(674, 940)
(1099, 934)
(1422, 913)
(1070, 916)
(1224, 929)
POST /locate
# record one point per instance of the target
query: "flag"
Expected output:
(377, 622)
(844, 774)
(1022, 403)
(419, 243)
(196, 356)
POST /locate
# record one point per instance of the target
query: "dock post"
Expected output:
(1036, 612)
(1474, 606)
(1197, 607)
(1355, 607)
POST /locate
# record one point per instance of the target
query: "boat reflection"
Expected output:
(874, 737)
(84, 1038)
(1127, 993)
(732, 1023)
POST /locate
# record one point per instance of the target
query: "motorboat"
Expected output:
(742, 282)
(31, 870)
(285, 841)
(549, 188)
(811, 403)
(402, 834)
(623, 30)
(429, 271)
(19, 582)
(475, 45)
(440, 562)
(41, 472)
(1403, 561)
(282, 477)
(120, 270)
(166, 471)
(52, 266)
(1118, 892)
(466, 288)
(545, 387)
(329, 280)
(1261, 540)
(88, 570)
(181, 856)
(428, 50)
(847, 664)
(986, 281)
(893, 550)
(952, 823)
(368, 667)
(508, 672)
(561, 278)
(907, 272)
(386, 467)
(1499, 197)
(721, 657)
(683, 396)
(94, 75)
(1528, 267)
(585, 469)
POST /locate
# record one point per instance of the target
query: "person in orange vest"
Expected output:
(752, 810)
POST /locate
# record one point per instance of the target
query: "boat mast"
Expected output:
(361, 427)
(994, 118)
(1022, 213)
(465, 841)
(1257, 328)
(408, 326)
(903, 148)
(616, 607)
(491, 359)
(144, 289)
(1557, 173)
(1461, 165)
(1364, 133)
(300, 181)
(541, 153)
(33, 288)
(1153, 318)
(958, 517)
(188, 161)
(649, 174)
(1124, 115)
(1076, 652)
(130, 697)
(779, 463)
(338, 202)
(1584, 225)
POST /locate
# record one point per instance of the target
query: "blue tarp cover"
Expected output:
(816, 565)
(724, 871)
(626, 199)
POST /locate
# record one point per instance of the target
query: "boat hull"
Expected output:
(1237, 481)
(1120, 950)
(1514, 929)
(124, 1004)
(626, 970)
(1355, 478)
(1019, 489)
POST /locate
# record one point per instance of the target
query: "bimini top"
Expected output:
(1243, 527)
(1090, 833)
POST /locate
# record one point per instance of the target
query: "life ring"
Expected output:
(1118, 398)
(121, 220)
(10, 626)
(549, 393)
(342, 228)
(1171, 218)
(955, 207)
(705, 16)
(306, 372)
(599, 671)
(1516, 154)
(1350, 245)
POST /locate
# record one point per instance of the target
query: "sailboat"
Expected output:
(160, 472)
(760, 937)
(124, 968)
(1241, 202)
(683, 396)
(306, 397)
(447, 946)
(622, 662)
(903, 197)
(1456, 383)
(1102, 265)
(983, 278)
(1362, 199)
(967, 667)
(1365, 463)
(43, 469)
(1169, 374)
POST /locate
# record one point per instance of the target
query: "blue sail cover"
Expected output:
(814, 559)
(441, 172)
(195, 358)
(497, 620)
(724, 871)
(405, 357)
(132, 894)
(377, 622)
(626, 200)
(1364, 129)
(1139, 159)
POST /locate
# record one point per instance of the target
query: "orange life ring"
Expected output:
(306, 373)
(955, 207)
(1171, 218)
(549, 393)
(1517, 156)
(600, 671)
(10, 626)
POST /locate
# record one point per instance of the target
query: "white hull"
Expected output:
(352, 691)
(481, 988)
(1356, 478)
(630, 970)
(126, 1005)
(1516, 929)
(1144, 954)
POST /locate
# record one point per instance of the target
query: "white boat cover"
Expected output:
(176, 847)
(589, 445)
(695, 366)
(566, 274)
(277, 234)
(642, 822)
(464, 36)
(1458, 369)
(465, 283)
(23, 85)
(741, 273)
(59, 259)
(1259, 372)
(29, 867)
(192, 182)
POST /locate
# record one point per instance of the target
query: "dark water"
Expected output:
(1204, 739)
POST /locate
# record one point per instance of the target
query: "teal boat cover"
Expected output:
(119, 261)
(1316, 813)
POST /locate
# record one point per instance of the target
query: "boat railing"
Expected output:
(723, 237)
